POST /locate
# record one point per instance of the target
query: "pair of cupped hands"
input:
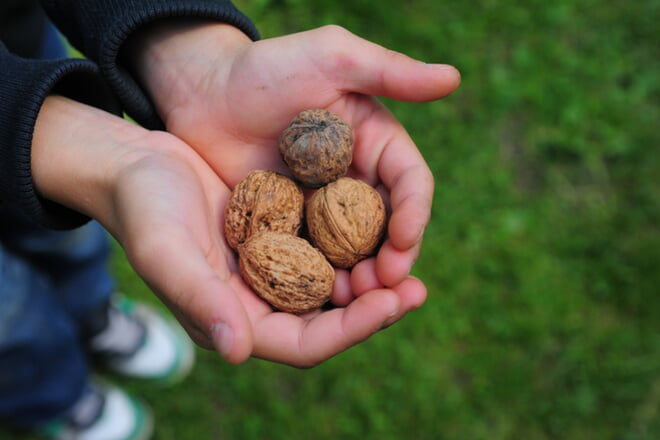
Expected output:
(225, 100)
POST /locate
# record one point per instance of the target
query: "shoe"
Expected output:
(104, 412)
(139, 342)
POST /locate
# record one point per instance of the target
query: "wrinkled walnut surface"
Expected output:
(317, 146)
(286, 271)
(346, 221)
(263, 200)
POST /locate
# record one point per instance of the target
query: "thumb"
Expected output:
(360, 66)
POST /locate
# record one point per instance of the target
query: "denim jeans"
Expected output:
(52, 285)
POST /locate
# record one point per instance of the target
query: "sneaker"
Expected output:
(104, 412)
(139, 342)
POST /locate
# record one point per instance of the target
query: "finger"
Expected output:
(358, 65)
(411, 199)
(400, 167)
(407, 186)
(364, 278)
(292, 340)
(393, 265)
(412, 295)
(342, 293)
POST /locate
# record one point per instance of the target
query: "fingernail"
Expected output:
(390, 320)
(440, 66)
(222, 338)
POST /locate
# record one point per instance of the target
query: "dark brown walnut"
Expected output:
(346, 221)
(317, 146)
(263, 201)
(286, 271)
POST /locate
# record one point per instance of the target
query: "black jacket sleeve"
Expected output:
(24, 85)
(98, 28)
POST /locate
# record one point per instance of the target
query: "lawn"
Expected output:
(542, 259)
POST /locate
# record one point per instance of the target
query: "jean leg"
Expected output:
(52, 46)
(48, 281)
(43, 369)
(75, 261)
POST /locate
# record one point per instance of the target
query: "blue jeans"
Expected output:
(53, 284)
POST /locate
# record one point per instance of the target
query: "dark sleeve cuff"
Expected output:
(99, 28)
(24, 85)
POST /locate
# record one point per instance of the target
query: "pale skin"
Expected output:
(229, 98)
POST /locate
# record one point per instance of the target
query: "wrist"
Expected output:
(170, 57)
(75, 154)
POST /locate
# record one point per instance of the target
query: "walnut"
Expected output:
(317, 146)
(346, 221)
(263, 200)
(286, 271)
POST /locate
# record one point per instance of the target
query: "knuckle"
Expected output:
(334, 31)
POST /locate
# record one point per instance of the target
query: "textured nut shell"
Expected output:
(346, 221)
(286, 271)
(263, 200)
(317, 146)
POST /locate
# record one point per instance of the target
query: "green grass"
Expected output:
(542, 257)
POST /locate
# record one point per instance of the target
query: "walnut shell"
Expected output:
(317, 146)
(263, 200)
(346, 221)
(286, 271)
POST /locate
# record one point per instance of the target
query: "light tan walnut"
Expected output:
(286, 271)
(263, 201)
(346, 221)
(317, 146)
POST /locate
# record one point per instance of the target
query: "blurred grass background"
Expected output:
(541, 259)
